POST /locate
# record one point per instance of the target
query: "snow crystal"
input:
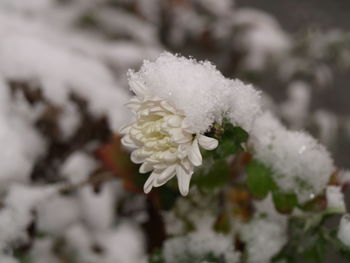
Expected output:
(198, 245)
(298, 162)
(335, 199)
(264, 238)
(199, 90)
(344, 230)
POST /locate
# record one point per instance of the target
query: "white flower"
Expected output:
(162, 141)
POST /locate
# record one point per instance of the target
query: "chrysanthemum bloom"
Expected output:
(177, 100)
(163, 143)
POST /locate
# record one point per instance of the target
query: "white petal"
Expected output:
(167, 106)
(206, 142)
(147, 187)
(145, 168)
(182, 150)
(155, 108)
(160, 166)
(136, 157)
(166, 175)
(178, 136)
(134, 104)
(125, 129)
(187, 164)
(174, 121)
(194, 154)
(128, 142)
(169, 156)
(138, 88)
(183, 179)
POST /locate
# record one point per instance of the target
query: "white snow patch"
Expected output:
(198, 245)
(7, 259)
(57, 214)
(335, 199)
(299, 163)
(264, 238)
(198, 89)
(78, 167)
(17, 212)
(344, 230)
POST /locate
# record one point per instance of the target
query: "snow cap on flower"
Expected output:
(299, 163)
(177, 100)
(198, 89)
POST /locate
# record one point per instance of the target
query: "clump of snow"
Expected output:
(7, 259)
(198, 89)
(344, 230)
(218, 8)
(43, 251)
(97, 209)
(198, 245)
(78, 167)
(344, 177)
(67, 65)
(262, 38)
(26, 6)
(89, 79)
(69, 120)
(266, 207)
(335, 199)
(21, 144)
(124, 243)
(173, 225)
(328, 126)
(295, 109)
(17, 212)
(264, 239)
(299, 163)
(58, 214)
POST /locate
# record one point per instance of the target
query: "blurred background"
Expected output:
(63, 84)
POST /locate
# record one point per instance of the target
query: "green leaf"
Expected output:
(316, 252)
(231, 140)
(156, 257)
(168, 197)
(23, 257)
(213, 177)
(259, 179)
(284, 202)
